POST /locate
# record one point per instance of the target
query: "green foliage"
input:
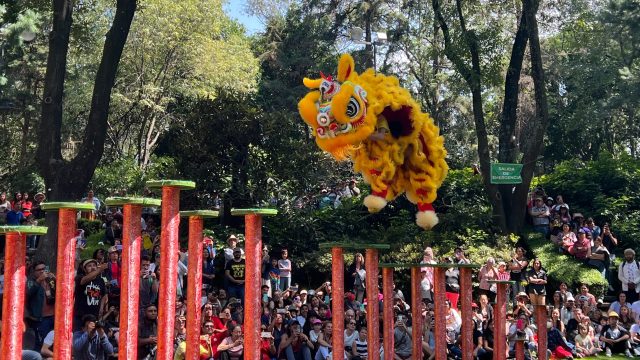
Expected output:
(92, 244)
(607, 189)
(90, 227)
(124, 176)
(563, 268)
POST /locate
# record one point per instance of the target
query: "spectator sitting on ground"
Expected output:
(615, 337)
(91, 342)
(622, 300)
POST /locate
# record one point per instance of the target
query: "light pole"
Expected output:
(356, 34)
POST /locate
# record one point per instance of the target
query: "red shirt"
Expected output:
(265, 345)
(115, 272)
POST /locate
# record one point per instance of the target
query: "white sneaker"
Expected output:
(636, 351)
(607, 352)
(627, 353)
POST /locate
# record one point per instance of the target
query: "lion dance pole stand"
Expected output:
(337, 294)
(65, 268)
(253, 264)
(14, 289)
(500, 316)
(440, 308)
(130, 287)
(194, 290)
(168, 259)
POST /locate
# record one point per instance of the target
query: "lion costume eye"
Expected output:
(353, 108)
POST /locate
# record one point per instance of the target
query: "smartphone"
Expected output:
(265, 335)
(119, 247)
(265, 298)
(327, 299)
(294, 288)
(281, 311)
(46, 268)
(361, 307)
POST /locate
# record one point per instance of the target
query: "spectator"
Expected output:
(609, 240)
(113, 233)
(580, 248)
(27, 205)
(517, 268)
(324, 343)
(487, 273)
(615, 337)
(355, 191)
(402, 340)
(90, 292)
(232, 244)
(558, 345)
(91, 342)
(598, 257)
(148, 332)
(540, 214)
(268, 349)
(264, 269)
(284, 264)
(47, 346)
(635, 337)
(296, 345)
(234, 272)
(453, 320)
(15, 216)
(578, 221)
(17, 199)
(40, 301)
(629, 275)
(208, 270)
(36, 210)
(520, 331)
(595, 229)
(586, 296)
(350, 334)
(358, 274)
(622, 300)
(149, 284)
(5, 207)
(485, 310)
(452, 284)
(565, 239)
(114, 275)
(522, 306)
(537, 278)
(232, 347)
(359, 348)
(560, 203)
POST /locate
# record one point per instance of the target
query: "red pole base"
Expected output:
(440, 313)
(130, 287)
(65, 285)
(387, 313)
(416, 312)
(373, 336)
(194, 292)
(252, 303)
(13, 299)
(337, 306)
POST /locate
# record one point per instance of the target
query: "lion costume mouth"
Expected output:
(328, 128)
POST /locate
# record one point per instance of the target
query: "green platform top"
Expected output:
(506, 282)
(67, 205)
(256, 211)
(119, 201)
(200, 213)
(437, 265)
(353, 246)
(28, 230)
(180, 184)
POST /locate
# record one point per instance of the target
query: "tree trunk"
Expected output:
(67, 180)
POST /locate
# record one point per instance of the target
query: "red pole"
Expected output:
(337, 303)
(252, 288)
(499, 326)
(65, 285)
(440, 310)
(194, 291)
(466, 313)
(373, 336)
(130, 287)
(13, 299)
(169, 275)
(541, 320)
(416, 312)
(520, 350)
(387, 312)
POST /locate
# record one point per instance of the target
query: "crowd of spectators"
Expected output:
(296, 322)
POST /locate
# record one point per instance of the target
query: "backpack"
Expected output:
(625, 263)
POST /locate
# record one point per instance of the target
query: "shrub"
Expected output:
(563, 268)
(90, 227)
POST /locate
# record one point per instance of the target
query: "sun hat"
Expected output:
(89, 261)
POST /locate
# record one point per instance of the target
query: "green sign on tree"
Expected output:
(506, 173)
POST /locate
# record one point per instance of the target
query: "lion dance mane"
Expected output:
(371, 120)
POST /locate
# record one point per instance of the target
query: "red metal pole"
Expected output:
(65, 285)
(520, 350)
(440, 312)
(130, 287)
(373, 336)
(194, 291)
(169, 275)
(499, 326)
(252, 288)
(416, 312)
(541, 323)
(13, 299)
(337, 303)
(387, 312)
(466, 297)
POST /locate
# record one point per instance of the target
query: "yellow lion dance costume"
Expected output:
(369, 118)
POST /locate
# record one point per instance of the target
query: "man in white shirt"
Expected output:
(629, 275)
(232, 243)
